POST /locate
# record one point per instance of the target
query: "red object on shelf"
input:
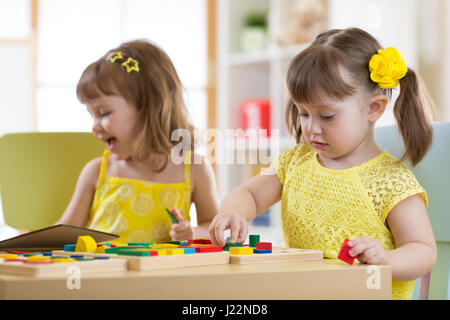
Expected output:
(255, 114)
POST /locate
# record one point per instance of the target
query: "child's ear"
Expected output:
(377, 105)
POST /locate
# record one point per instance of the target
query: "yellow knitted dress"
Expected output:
(320, 207)
(135, 209)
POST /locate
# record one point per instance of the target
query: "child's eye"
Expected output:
(327, 117)
(304, 115)
(104, 114)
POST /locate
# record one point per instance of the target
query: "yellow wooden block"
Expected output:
(63, 260)
(9, 256)
(163, 246)
(174, 251)
(162, 252)
(241, 250)
(38, 258)
(86, 244)
(120, 244)
(101, 249)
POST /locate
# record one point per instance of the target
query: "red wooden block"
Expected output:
(39, 262)
(15, 260)
(264, 245)
(21, 251)
(199, 241)
(343, 253)
(153, 253)
(208, 249)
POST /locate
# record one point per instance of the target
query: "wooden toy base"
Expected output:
(37, 270)
(163, 262)
(278, 255)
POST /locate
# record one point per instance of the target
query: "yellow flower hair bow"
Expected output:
(387, 67)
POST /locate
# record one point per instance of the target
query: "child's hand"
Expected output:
(182, 230)
(235, 222)
(367, 250)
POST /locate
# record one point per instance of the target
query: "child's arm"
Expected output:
(77, 211)
(415, 252)
(243, 204)
(204, 195)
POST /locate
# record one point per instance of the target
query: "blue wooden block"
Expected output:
(102, 258)
(189, 250)
(76, 256)
(69, 247)
(261, 251)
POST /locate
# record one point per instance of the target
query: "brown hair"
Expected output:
(315, 73)
(155, 91)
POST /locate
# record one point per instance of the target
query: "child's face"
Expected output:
(335, 128)
(115, 123)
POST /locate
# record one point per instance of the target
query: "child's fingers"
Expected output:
(357, 247)
(176, 214)
(243, 232)
(181, 226)
(235, 230)
(219, 229)
(367, 256)
(212, 231)
(180, 235)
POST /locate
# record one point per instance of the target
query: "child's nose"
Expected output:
(97, 128)
(314, 127)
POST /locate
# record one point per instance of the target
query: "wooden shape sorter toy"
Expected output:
(196, 252)
(151, 256)
(277, 254)
(143, 256)
(47, 264)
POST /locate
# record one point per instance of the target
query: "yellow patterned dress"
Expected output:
(135, 209)
(320, 207)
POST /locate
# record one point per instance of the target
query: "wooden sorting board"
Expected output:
(58, 268)
(278, 254)
(162, 262)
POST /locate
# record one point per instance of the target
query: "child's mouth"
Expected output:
(318, 145)
(110, 143)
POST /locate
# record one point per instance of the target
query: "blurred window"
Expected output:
(74, 33)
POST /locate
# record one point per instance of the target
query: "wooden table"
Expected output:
(322, 279)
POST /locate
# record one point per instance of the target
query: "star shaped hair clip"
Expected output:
(113, 56)
(134, 67)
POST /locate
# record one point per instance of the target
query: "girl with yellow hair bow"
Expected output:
(336, 183)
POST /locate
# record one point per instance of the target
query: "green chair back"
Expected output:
(38, 174)
(434, 175)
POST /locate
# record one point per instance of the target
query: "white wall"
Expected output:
(15, 88)
(393, 23)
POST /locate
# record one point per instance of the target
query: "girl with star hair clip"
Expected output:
(135, 98)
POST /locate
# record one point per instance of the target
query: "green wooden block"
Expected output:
(117, 249)
(29, 254)
(253, 240)
(133, 253)
(180, 243)
(142, 244)
(85, 259)
(229, 245)
(172, 218)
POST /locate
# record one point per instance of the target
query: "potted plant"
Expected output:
(254, 32)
